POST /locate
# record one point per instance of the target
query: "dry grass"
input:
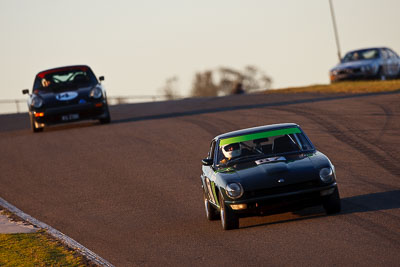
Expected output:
(344, 87)
(36, 249)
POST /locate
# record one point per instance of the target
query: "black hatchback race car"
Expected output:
(66, 94)
(265, 170)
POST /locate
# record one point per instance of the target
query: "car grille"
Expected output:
(66, 103)
(350, 71)
(282, 189)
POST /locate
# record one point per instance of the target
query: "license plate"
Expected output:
(70, 117)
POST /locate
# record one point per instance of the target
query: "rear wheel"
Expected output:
(229, 219)
(331, 203)
(211, 212)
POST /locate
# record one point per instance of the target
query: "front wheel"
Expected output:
(381, 75)
(229, 219)
(211, 212)
(331, 203)
(34, 128)
(107, 117)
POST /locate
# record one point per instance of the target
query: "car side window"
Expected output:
(384, 54)
(389, 55)
(392, 54)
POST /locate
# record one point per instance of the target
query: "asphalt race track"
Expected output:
(130, 190)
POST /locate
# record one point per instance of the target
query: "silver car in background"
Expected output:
(370, 63)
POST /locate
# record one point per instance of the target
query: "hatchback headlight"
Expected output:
(234, 190)
(96, 93)
(37, 102)
(326, 175)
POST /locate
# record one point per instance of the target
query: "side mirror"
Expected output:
(25, 91)
(207, 161)
(101, 78)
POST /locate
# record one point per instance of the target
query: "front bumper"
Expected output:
(349, 74)
(287, 201)
(70, 113)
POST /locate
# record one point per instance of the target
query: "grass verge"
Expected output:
(36, 249)
(352, 87)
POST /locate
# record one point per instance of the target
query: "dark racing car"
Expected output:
(66, 94)
(370, 63)
(265, 170)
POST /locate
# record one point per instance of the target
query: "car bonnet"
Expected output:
(285, 171)
(67, 95)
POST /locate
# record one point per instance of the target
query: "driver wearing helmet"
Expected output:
(45, 83)
(230, 151)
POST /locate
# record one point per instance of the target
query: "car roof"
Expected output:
(256, 129)
(72, 67)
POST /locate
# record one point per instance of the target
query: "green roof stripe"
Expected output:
(248, 137)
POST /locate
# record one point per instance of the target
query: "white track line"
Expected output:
(57, 234)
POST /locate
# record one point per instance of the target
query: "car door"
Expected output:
(209, 175)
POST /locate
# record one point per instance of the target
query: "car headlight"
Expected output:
(334, 72)
(326, 175)
(234, 190)
(37, 102)
(96, 93)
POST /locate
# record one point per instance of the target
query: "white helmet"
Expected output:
(231, 150)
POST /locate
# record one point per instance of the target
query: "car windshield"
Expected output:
(361, 55)
(260, 145)
(64, 78)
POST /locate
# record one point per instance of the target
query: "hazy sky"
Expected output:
(137, 45)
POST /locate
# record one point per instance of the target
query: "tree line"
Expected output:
(221, 81)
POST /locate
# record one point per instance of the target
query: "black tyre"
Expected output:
(34, 128)
(331, 203)
(107, 117)
(229, 219)
(211, 212)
